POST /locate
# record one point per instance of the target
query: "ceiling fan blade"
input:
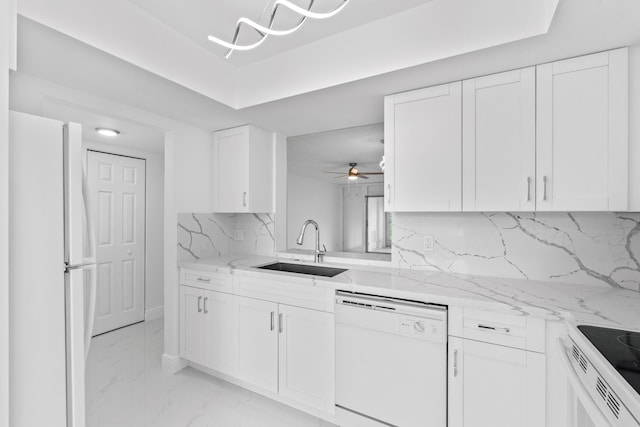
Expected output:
(362, 176)
(341, 173)
(370, 173)
(341, 176)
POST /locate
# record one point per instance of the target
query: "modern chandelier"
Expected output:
(268, 30)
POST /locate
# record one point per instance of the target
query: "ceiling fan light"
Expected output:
(353, 177)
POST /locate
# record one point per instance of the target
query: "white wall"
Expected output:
(193, 169)
(312, 199)
(154, 208)
(7, 28)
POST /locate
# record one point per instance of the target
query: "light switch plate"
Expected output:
(239, 235)
(428, 243)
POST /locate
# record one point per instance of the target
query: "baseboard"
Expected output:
(172, 363)
(154, 313)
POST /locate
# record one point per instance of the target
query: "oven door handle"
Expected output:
(579, 389)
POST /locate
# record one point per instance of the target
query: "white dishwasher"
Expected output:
(391, 362)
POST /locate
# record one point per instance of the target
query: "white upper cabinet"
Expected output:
(499, 142)
(423, 149)
(243, 175)
(582, 133)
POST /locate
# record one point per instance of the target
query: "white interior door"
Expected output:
(118, 193)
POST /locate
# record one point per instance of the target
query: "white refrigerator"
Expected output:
(52, 272)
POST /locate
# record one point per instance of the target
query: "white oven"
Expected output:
(600, 376)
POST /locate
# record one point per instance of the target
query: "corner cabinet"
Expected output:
(582, 133)
(423, 149)
(243, 170)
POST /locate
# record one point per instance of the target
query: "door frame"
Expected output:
(102, 148)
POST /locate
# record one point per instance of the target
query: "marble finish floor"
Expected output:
(126, 387)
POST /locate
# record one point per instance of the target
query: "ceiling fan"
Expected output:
(354, 173)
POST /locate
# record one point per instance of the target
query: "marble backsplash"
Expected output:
(206, 235)
(596, 248)
(599, 248)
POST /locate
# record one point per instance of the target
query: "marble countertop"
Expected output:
(548, 300)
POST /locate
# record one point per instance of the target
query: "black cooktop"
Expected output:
(621, 348)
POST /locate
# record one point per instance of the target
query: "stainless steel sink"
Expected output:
(314, 270)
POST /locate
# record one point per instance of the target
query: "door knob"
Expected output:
(128, 252)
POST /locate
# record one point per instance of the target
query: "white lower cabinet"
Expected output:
(494, 385)
(206, 327)
(257, 342)
(307, 354)
(288, 350)
(192, 325)
(284, 350)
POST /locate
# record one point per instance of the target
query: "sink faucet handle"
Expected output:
(324, 250)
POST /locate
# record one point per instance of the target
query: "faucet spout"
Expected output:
(318, 252)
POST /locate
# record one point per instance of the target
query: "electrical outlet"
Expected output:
(428, 243)
(239, 235)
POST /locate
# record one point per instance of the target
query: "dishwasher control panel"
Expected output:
(422, 328)
(411, 319)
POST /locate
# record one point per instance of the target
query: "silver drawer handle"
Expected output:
(203, 279)
(494, 328)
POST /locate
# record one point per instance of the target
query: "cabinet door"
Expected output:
(231, 170)
(218, 309)
(492, 385)
(582, 127)
(306, 348)
(424, 144)
(257, 337)
(499, 142)
(192, 325)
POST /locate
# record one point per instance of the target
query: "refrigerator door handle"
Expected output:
(89, 261)
(88, 214)
(91, 310)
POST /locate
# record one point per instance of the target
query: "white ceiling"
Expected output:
(313, 155)
(369, 38)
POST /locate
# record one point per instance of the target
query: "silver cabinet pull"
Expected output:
(199, 307)
(388, 193)
(544, 188)
(203, 279)
(205, 305)
(272, 319)
(244, 199)
(280, 326)
(528, 189)
(494, 328)
(455, 363)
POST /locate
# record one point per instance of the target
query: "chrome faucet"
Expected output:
(318, 253)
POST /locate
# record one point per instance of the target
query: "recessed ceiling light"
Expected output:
(108, 132)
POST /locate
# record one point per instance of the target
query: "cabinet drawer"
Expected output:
(523, 332)
(215, 281)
